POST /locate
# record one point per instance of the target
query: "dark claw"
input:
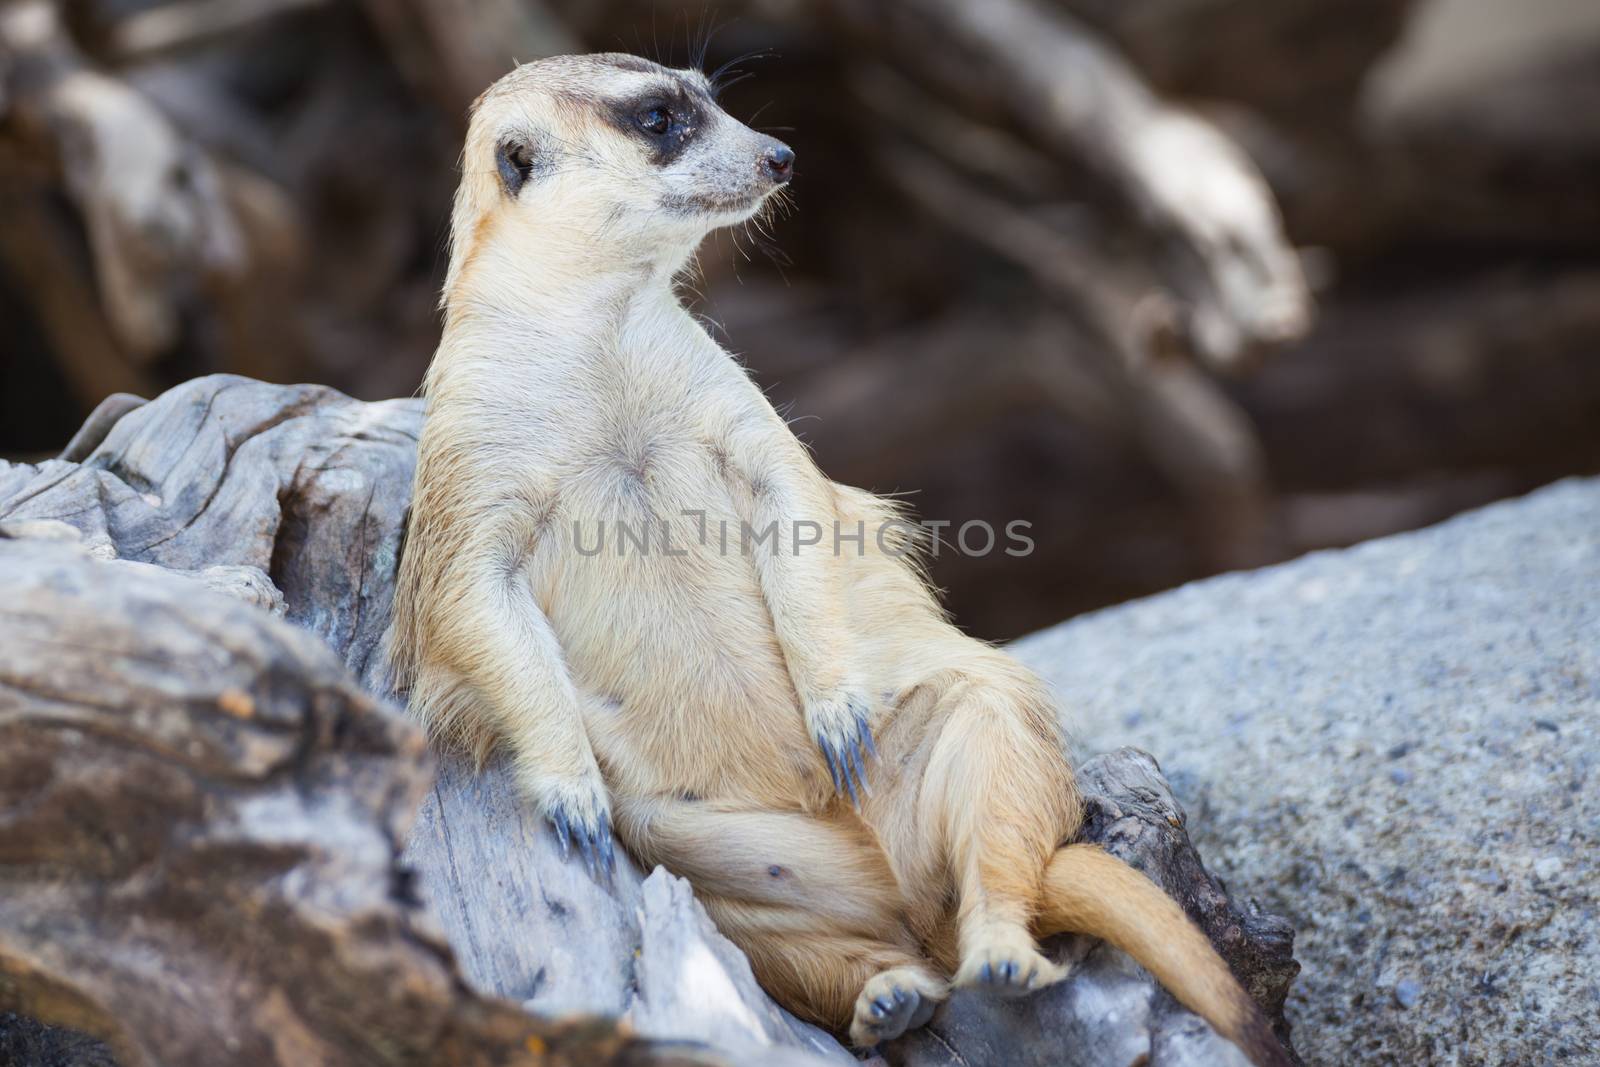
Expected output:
(847, 760)
(1008, 971)
(900, 995)
(866, 738)
(609, 856)
(987, 973)
(833, 766)
(857, 765)
(589, 851)
(880, 1008)
(559, 820)
(850, 786)
(595, 844)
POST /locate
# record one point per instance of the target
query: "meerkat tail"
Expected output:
(1089, 891)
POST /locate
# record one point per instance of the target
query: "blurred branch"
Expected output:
(990, 152)
(1306, 59)
(1186, 425)
(38, 259)
(187, 23)
(158, 212)
(1181, 420)
(1134, 321)
(1229, 260)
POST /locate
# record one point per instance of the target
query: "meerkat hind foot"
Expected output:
(1008, 966)
(893, 1002)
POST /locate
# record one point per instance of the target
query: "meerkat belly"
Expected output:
(659, 609)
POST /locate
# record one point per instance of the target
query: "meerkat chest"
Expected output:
(654, 433)
(642, 459)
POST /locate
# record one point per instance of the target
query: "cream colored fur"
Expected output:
(681, 697)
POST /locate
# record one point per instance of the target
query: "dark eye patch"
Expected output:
(666, 119)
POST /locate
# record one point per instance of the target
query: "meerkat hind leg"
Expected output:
(1006, 796)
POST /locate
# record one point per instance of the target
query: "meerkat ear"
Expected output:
(514, 159)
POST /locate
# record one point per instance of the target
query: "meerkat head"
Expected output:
(624, 159)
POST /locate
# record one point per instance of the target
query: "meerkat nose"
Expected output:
(777, 162)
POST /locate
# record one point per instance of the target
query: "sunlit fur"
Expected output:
(682, 694)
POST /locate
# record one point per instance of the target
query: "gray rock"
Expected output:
(1398, 747)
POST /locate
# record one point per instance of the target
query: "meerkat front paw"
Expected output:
(840, 726)
(579, 813)
(1008, 966)
(892, 1003)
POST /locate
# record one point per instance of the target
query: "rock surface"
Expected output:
(291, 499)
(1398, 747)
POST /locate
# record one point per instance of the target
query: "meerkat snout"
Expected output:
(777, 163)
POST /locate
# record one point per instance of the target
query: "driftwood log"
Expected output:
(213, 839)
(203, 813)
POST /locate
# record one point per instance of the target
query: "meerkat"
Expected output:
(875, 807)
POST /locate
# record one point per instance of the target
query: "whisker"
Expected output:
(760, 53)
(709, 28)
(723, 86)
(726, 76)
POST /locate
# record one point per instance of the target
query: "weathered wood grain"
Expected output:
(201, 822)
(298, 482)
(541, 931)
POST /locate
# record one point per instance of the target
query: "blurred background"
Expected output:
(1190, 285)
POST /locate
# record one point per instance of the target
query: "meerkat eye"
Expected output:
(655, 120)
